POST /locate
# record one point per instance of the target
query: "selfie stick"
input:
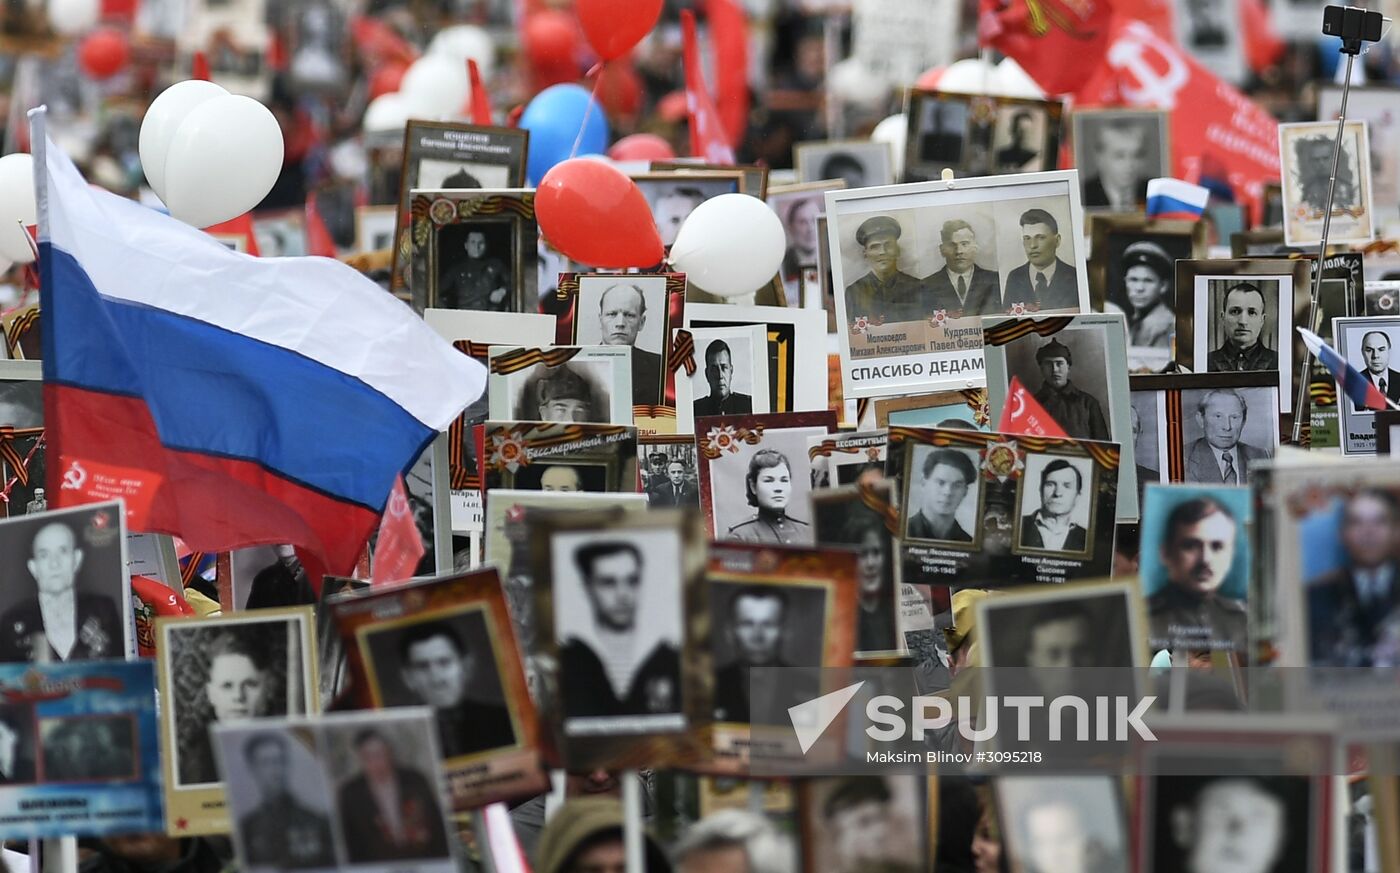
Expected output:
(1354, 27)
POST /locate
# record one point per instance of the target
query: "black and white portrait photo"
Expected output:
(1367, 345)
(1073, 824)
(732, 376)
(230, 669)
(476, 266)
(670, 478)
(1056, 500)
(1117, 151)
(798, 207)
(1068, 376)
(938, 133)
(1242, 319)
(1351, 603)
(445, 660)
(1149, 437)
(1239, 821)
(628, 311)
(22, 408)
(1225, 430)
(760, 625)
(858, 163)
(593, 386)
(388, 794)
(435, 174)
(759, 493)
(69, 598)
(279, 799)
(1213, 33)
(672, 197)
(943, 502)
(1043, 278)
(1018, 141)
(563, 476)
(862, 823)
(18, 735)
(844, 519)
(618, 623)
(88, 748)
(1139, 270)
(1305, 151)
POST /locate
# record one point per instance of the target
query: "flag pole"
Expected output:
(1316, 292)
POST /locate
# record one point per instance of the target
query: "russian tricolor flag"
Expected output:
(229, 400)
(1175, 199)
(1362, 391)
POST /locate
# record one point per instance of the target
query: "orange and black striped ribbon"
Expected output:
(569, 433)
(190, 569)
(881, 506)
(1323, 393)
(743, 435)
(642, 410)
(1176, 460)
(682, 353)
(10, 455)
(21, 325)
(1009, 331)
(827, 448)
(473, 349)
(520, 359)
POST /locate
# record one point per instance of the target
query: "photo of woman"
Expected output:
(768, 485)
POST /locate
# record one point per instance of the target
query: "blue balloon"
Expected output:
(554, 119)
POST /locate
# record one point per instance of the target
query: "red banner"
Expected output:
(708, 138)
(1059, 43)
(399, 547)
(1023, 414)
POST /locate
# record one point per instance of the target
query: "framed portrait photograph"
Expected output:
(1068, 823)
(445, 155)
(1117, 151)
(1200, 776)
(755, 475)
(915, 266)
(798, 207)
(583, 384)
(1305, 151)
(253, 665)
(1366, 344)
(1210, 428)
(448, 643)
(1075, 367)
(753, 178)
(75, 558)
(640, 312)
(623, 602)
(979, 135)
(860, 163)
(847, 458)
(22, 408)
(731, 374)
(1134, 268)
(1371, 104)
(1195, 567)
(797, 377)
(673, 195)
(475, 250)
(1387, 431)
(866, 822)
(1041, 509)
(670, 470)
(80, 736)
(966, 408)
(374, 228)
(760, 600)
(1212, 31)
(857, 517)
(535, 456)
(1237, 316)
(1148, 412)
(281, 234)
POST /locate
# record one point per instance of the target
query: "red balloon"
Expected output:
(614, 27)
(103, 53)
(619, 89)
(551, 40)
(591, 212)
(386, 79)
(641, 147)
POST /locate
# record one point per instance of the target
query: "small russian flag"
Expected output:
(1175, 199)
(1362, 391)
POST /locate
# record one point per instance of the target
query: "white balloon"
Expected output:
(730, 245)
(466, 41)
(1012, 81)
(893, 130)
(968, 76)
(163, 118)
(223, 160)
(74, 17)
(386, 112)
(851, 81)
(435, 87)
(16, 207)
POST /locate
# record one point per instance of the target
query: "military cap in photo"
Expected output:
(563, 384)
(1149, 255)
(880, 224)
(1054, 349)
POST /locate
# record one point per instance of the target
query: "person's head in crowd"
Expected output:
(1369, 528)
(1233, 824)
(560, 477)
(857, 815)
(1198, 545)
(719, 369)
(1221, 414)
(612, 579)
(238, 685)
(585, 836)
(564, 395)
(435, 664)
(758, 624)
(55, 558)
(734, 841)
(622, 313)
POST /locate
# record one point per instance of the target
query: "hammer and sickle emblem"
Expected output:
(74, 477)
(1155, 87)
